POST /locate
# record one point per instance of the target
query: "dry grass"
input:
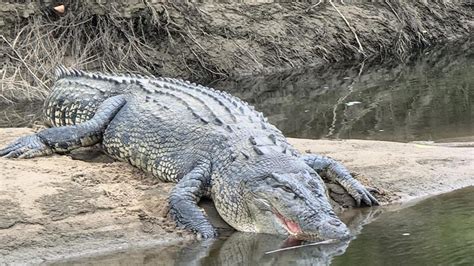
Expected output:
(86, 40)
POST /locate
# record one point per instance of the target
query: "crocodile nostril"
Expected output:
(335, 222)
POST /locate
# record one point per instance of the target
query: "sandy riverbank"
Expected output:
(60, 206)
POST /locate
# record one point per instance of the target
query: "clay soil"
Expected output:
(84, 203)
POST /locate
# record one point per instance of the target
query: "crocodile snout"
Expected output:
(334, 229)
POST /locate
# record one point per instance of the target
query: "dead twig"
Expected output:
(361, 49)
(393, 10)
(23, 61)
(325, 242)
(313, 6)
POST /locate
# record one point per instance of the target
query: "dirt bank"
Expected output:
(210, 41)
(61, 206)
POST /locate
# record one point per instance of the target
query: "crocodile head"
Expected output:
(293, 204)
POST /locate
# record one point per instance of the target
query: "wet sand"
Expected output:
(85, 203)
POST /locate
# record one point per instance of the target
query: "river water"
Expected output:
(428, 98)
(437, 231)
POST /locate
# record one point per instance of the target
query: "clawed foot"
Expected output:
(206, 234)
(202, 231)
(199, 225)
(362, 194)
(26, 147)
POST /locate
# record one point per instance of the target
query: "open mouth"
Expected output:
(292, 227)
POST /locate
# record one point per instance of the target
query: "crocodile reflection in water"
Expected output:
(242, 249)
(252, 249)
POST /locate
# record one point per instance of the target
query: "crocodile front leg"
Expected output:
(335, 171)
(63, 139)
(184, 198)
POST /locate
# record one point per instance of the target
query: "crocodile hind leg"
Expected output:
(335, 171)
(63, 139)
(184, 198)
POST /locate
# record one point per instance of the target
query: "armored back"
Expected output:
(76, 95)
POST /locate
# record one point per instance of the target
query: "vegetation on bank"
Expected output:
(204, 42)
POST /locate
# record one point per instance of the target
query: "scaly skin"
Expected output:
(210, 143)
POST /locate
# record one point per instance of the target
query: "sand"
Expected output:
(81, 204)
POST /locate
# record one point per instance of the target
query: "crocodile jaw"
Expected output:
(293, 228)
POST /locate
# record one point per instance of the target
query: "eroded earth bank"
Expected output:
(85, 203)
(208, 41)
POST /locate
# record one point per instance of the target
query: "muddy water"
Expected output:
(436, 231)
(431, 97)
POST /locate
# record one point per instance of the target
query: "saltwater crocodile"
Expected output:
(210, 143)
